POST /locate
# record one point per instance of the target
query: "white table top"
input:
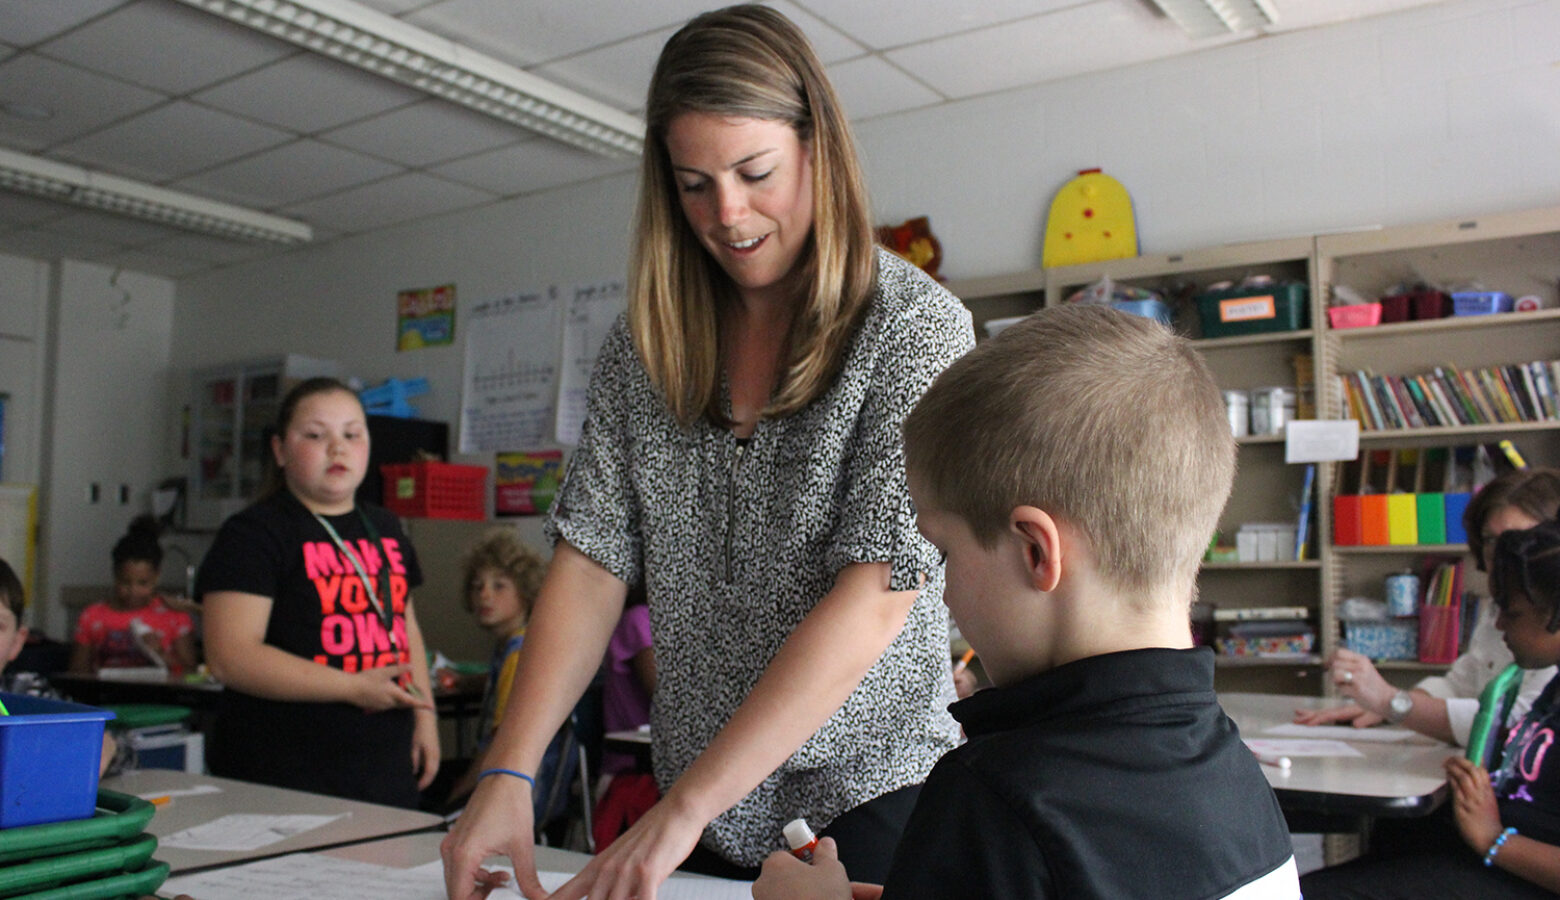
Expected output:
(363, 822)
(1403, 778)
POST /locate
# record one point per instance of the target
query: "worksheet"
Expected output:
(243, 832)
(1294, 748)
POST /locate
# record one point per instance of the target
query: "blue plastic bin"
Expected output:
(1480, 303)
(1148, 309)
(49, 756)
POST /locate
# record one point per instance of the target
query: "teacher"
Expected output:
(742, 451)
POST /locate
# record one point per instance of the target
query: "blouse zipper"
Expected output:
(731, 505)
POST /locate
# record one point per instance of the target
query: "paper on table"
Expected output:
(244, 831)
(182, 792)
(671, 889)
(308, 876)
(1298, 748)
(1341, 732)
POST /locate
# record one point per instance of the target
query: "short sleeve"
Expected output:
(245, 557)
(877, 516)
(595, 509)
(84, 623)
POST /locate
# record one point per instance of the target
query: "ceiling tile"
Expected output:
(171, 141)
(337, 94)
(80, 100)
(20, 209)
(26, 22)
(1043, 48)
(113, 229)
(531, 166)
(618, 75)
(153, 264)
(389, 202)
(183, 49)
(394, 7)
(287, 174)
(910, 21)
(425, 133)
(50, 245)
(528, 33)
(870, 86)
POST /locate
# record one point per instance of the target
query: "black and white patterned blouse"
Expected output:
(738, 542)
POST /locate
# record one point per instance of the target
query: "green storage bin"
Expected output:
(130, 716)
(114, 887)
(74, 868)
(1254, 310)
(1432, 518)
(119, 818)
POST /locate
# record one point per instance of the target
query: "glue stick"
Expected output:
(801, 839)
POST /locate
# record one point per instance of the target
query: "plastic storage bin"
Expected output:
(1358, 315)
(436, 490)
(118, 818)
(1480, 303)
(49, 755)
(1384, 640)
(1252, 310)
(1148, 309)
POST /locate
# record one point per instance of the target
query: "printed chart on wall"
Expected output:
(592, 310)
(510, 372)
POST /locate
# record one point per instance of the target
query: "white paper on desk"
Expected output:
(1340, 733)
(309, 876)
(182, 792)
(240, 832)
(671, 889)
(1295, 749)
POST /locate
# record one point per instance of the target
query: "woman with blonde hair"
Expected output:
(742, 451)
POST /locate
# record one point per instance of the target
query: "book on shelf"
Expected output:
(1447, 397)
(1259, 613)
(1303, 522)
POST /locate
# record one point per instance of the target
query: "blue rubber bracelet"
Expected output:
(520, 775)
(1489, 855)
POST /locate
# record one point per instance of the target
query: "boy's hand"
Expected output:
(1473, 803)
(784, 877)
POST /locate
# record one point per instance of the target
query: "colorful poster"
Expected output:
(425, 317)
(526, 482)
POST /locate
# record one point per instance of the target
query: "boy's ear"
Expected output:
(17, 640)
(1041, 542)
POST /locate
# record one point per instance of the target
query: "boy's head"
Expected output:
(502, 577)
(1108, 423)
(12, 603)
(1525, 582)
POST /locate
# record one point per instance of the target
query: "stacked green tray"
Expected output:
(106, 856)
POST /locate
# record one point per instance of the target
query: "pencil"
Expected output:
(964, 661)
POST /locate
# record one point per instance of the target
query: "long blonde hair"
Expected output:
(746, 62)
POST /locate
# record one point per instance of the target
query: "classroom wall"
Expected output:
(24, 310)
(108, 380)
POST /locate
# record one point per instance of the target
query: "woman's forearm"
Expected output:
(811, 676)
(571, 623)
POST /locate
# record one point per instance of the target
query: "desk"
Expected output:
(364, 822)
(418, 853)
(175, 691)
(634, 742)
(1389, 779)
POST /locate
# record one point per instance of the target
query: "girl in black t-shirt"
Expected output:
(309, 622)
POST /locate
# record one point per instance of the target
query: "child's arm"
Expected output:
(1478, 819)
(425, 734)
(182, 652)
(643, 664)
(239, 657)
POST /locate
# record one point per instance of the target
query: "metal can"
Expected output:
(1236, 408)
(1402, 594)
(1271, 409)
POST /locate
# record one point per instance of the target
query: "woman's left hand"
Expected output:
(1473, 803)
(425, 747)
(643, 857)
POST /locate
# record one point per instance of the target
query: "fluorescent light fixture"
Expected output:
(1211, 18)
(96, 190)
(393, 49)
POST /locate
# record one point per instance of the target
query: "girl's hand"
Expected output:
(1353, 714)
(785, 877)
(497, 822)
(377, 690)
(425, 748)
(1473, 803)
(636, 863)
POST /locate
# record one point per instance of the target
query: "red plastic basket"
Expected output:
(435, 490)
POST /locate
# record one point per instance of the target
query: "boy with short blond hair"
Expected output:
(1072, 470)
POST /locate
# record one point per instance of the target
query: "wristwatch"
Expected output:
(1398, 708)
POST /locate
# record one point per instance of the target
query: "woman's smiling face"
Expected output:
(746, 190)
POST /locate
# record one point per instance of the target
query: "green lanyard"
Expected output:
(386, 614)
